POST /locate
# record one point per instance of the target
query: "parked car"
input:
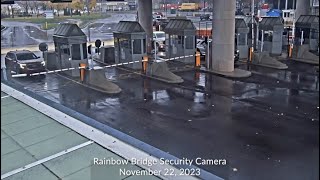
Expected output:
(24, 61)
(202, 45)
(160, 38)
(205, 17)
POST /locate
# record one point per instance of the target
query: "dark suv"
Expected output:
(205, 17)
(24, 62)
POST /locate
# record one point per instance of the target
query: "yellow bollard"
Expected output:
(145, 63)
(290, 51)
(82, 71)
(251, 54)
(198, 59)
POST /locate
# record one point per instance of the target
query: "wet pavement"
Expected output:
(265, 126)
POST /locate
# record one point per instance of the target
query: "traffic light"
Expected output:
(61, 1)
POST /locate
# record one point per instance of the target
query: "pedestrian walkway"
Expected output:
(35, 146)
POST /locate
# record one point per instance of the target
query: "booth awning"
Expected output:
(128, 27)
(268, 23)
(68, 30)
(240, 23)
(308, 21)
(179, 26)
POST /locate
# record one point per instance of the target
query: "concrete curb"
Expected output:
(282, 67)
(160, 71)
(237, 73)
(309, 61)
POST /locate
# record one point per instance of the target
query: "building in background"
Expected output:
(132, 4)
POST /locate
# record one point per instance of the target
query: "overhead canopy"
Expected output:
(248, 19)
(308, 21)
(128, 27)
(69, 33)
(240, 23)
(68, 30)
(270, 23)
(180, 27)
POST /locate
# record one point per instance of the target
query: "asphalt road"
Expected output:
(19, 34)
(265, 126)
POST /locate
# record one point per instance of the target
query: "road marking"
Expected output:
(46, 159)
(107, 141)
(2, 97)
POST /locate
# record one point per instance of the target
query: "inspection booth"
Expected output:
(71, 47)
(249, 21)
(272, 29)
(129, 43)
(180, 39)
(241, 37)
(307, 31)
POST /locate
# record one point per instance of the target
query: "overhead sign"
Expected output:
(48, 14)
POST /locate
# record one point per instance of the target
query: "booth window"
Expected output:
(55, 47)
(75, 49)
(181, 40)
(242, 40)
(144, 45)
(84, 50)
(65, 49)
(136, 46)
(189, 42)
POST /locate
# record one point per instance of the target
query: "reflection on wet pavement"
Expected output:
(266, 126)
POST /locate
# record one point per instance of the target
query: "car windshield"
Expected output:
(160, 35)
(26, 56)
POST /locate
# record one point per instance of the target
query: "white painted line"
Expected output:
(120, 64)
(19, 75)
(2, 97)
(114, 65)
(46, 159)
(107, 141)
(97, 67)
(137, 61)
(131, 62)
(34, 74)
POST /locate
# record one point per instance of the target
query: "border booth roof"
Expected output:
(69, 33)
(271, 23)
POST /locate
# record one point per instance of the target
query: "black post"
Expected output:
(288, 48)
